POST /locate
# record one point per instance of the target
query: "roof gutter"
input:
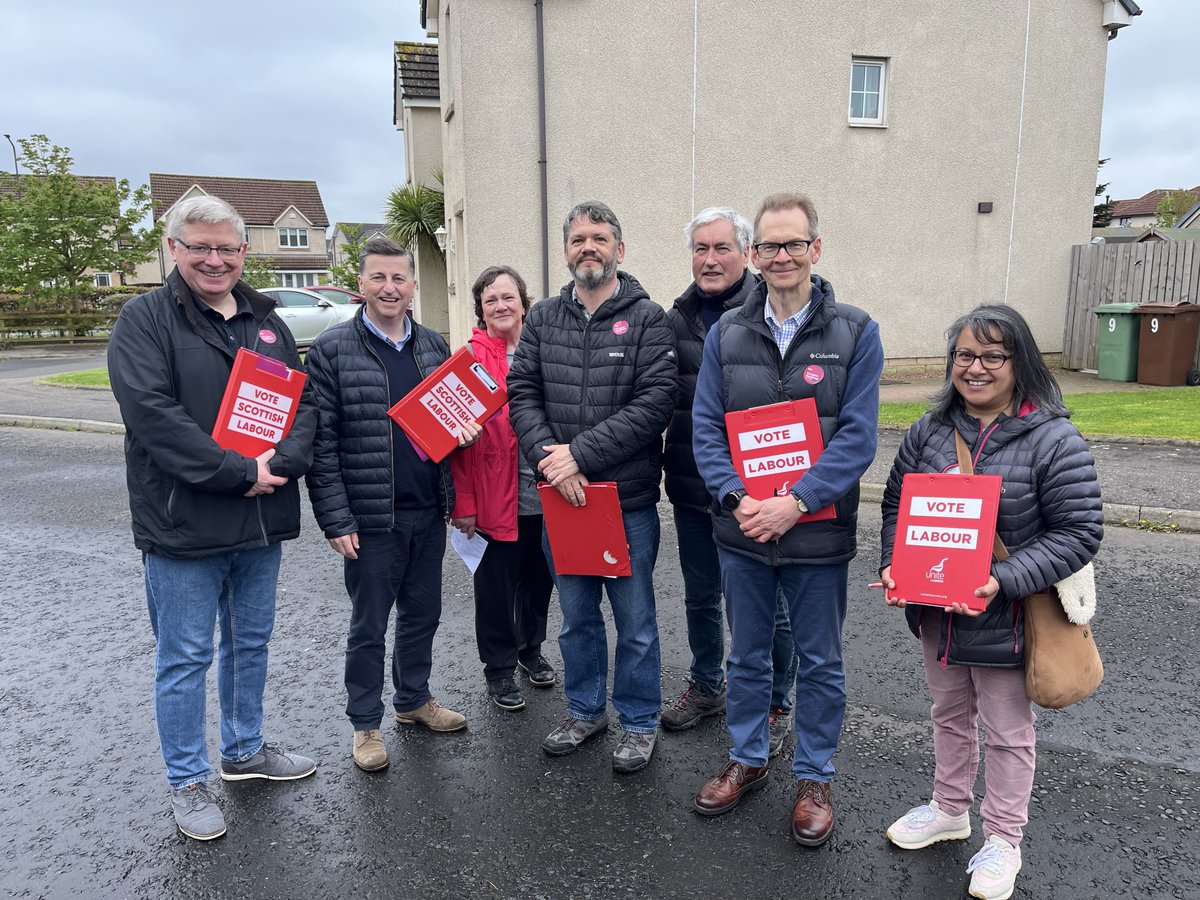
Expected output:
(542, 182)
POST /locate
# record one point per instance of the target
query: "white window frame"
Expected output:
(299, 279)
(881, 64)
(293, 237)
(102, 279)
(1125, 222)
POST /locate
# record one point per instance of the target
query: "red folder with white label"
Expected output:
(259, 405)
(944, 535)
(460, 390)
(588, 539)
(773, 446)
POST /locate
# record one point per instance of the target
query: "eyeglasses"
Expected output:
(964, 359)
(201, 251)
(770, 249)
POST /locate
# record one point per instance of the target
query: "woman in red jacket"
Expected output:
(497, 496)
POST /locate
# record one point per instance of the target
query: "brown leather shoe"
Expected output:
(723, 792)
(812, 819)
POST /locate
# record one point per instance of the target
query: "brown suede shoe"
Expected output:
(723, 792)
(433, 716)
(369, 753)
(812, 819)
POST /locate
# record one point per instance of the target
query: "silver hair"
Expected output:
(206, 210)
(742, 230)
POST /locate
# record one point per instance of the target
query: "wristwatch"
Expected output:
(800, 504)
(731, 500)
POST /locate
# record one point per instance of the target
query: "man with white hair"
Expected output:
(209, 521)
(719, 239)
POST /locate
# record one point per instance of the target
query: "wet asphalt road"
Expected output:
(84, 808)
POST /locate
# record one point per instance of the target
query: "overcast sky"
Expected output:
(304, 90)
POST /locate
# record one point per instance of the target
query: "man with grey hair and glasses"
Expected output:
(590, 391)
(209, 521)
(719, 239)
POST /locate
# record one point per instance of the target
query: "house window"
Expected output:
(867, 80)
(1125, 222)
(298, 279)
(293, 237)
(102, 279)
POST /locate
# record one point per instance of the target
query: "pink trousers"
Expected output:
(964, 696)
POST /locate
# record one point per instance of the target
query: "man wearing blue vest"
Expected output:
(788, 341)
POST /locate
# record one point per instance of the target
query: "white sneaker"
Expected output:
(994, 869)
(925, 825)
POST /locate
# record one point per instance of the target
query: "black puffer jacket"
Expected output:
(604, 386)
(1050, 518)
(350, 483)
(169, 372)
(685, 487)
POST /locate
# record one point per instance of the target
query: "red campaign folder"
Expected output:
(459, 390)
(773, 446)
(944, 535)
(259, 405)
(588, 539)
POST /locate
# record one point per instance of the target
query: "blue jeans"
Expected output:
(701, 569)
(637, 691)
(816, 597)
(185, 597)
(401, 568)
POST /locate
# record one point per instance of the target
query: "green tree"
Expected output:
(1102, 211)
(1172, 207)
(345, 273)
(55, 225)
(258, 274)
(414, 213)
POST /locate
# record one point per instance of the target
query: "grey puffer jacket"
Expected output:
(1050, 519)
(350, 482)
(605, 386)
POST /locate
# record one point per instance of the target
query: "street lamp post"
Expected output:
(8, 137)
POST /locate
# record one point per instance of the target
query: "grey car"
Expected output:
(307, 313)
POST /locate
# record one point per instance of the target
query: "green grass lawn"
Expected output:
(1167, 413)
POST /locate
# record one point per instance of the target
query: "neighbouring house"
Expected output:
(1141, 235)
(417, 113)
(344, 232)
(931, 134)
(285, 221)
(1141, 212)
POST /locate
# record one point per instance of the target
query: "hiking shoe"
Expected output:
(369, 753)
(779, 726)
(570, 733)
(270, 762)
(196, 811)
(692, 706)
(504, 693)
(633, 752)
(925, 825)
(539, 672)
(433, 716)
(994, 869)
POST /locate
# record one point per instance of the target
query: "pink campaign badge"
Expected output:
(620, 327)
(266, 336)
(814, 374)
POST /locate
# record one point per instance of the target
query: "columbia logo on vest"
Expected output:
(824, 356)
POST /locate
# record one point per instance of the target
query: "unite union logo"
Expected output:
(936, 574)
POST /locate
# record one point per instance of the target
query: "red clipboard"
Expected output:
(259, 405)
(588, 539)
(459, 390)
(945, 531)
(773, 446)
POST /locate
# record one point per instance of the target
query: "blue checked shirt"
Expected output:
(790, 327)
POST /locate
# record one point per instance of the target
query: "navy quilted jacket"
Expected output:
(1050, 518)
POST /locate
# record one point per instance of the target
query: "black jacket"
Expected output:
(1050, 518)
(604, 386)
(350, 484)
(684, 485)
(168, 371)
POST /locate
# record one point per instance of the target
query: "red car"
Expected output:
(337, 294)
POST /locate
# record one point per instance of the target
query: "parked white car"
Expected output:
(307, 313)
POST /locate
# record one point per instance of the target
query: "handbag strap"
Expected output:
(967, 467)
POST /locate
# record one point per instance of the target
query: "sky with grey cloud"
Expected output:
(304, 90)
